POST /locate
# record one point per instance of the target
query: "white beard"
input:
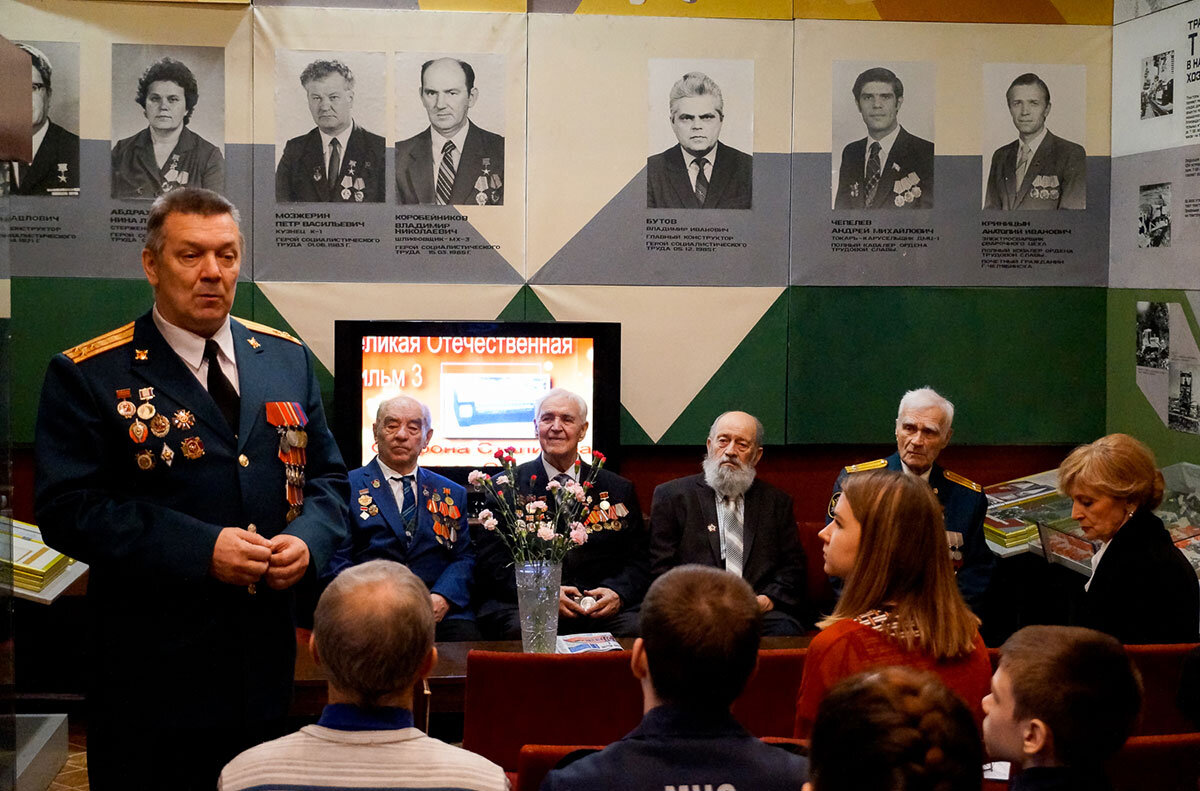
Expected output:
(726, 481)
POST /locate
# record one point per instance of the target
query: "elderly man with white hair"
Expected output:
(604, 579)
(923, 430)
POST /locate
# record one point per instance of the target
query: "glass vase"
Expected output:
(537, 599)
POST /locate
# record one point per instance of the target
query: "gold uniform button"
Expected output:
(242, 460)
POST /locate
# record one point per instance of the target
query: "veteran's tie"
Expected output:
(335, 162)
(445, 177)
(873, 171)
(1022, 165)
(220, 388)
(408, 507)
(701, 180)
(731, 524)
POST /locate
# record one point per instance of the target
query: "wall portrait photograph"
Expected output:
(701, 134)
(883, 141)
(168, 119)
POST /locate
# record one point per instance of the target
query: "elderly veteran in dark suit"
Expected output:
(701, 172)
(1142, 589)
(186, 458)
(923, 430)
(55, 166)
(403, 512)
(890, 167)
(1038, 170)
(453, 162)
(337, 161)
(727, 518)
(166, 155)
(604, 579)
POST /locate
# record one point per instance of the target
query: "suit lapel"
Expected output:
(313, 164)
(465, 176)
(751, 518)
(887, 178)
(708, 509)
(252, 387)
(389, 509)
(677, 175)
(42, 168)
(424, 515)
(143, 152)
(421, 168)
(169, 375)
(721, 173)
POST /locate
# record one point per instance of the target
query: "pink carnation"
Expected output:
(490, 524)
(578, 533)
(485, 514)
(546, 533)
(553, 486)
(475, 477)
(500, 480)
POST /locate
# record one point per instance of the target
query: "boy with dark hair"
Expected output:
(1063, 700)
(699, 646)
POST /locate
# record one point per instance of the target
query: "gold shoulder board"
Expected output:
(867, 465)
(954, 476)
(265, 330)
(101, 343)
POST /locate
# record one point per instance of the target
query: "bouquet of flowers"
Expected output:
(533, 529)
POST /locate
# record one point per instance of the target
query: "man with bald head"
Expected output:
(403, 512)
(373, 634)
(727, 518)
(453, 162)
(923, 430)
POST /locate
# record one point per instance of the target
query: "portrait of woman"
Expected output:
(166, 154)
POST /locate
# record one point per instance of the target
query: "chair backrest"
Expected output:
(514, 699)
(1161, 667)
(1164, 763)
(767, 706)
(536, 760)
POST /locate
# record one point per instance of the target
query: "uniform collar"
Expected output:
(190, 346)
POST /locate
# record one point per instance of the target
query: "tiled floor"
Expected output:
(73, 776)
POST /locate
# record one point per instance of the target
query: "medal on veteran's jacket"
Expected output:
(159, 425)
(138, 432)
(192, 448)
(145, 459)
(183, 419)
(445, 515)
(166, 454)
(289, 421)
(125, 407)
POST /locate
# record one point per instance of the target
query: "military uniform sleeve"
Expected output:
(323, 524)
(454, 583)
(978, 561)
(84, 500)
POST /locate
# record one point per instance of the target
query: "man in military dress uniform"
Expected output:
(923, 430)
(602, 580)
(185, 456)
(403, 512)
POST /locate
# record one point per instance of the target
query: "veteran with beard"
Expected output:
(727, 518)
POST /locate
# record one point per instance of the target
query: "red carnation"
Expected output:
(499, 455)
(598, 456)
(510, 450)
(587, 484)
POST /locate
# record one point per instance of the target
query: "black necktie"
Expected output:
(335, 161)
(220, 388)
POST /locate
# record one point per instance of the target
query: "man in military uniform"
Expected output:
(602, 580)
(185, 456)
(691, 669)
(414, 516)
(923, 430)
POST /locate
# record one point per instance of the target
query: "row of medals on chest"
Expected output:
(148, 420)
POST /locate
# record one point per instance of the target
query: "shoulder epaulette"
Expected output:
(867, 465)
(265, 330)
(101, 343)
(954, 476)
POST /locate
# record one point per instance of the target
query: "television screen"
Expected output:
(480, 380)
